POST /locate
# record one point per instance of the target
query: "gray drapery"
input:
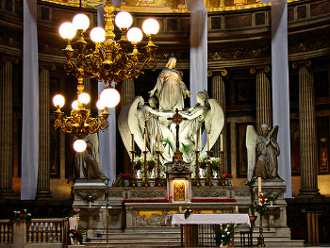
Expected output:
(280, 87)
(198, 47)
(30, 125)
(107, 139)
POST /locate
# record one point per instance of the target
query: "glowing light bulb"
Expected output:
(110, 97)
(74, 105)
(97, 34)
(79, 145)
(67, 30)
(134, 35)
(81, 21)
(84, 98)
(123, 19)
(150, 26)
(58, 101)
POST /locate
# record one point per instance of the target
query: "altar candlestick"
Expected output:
(196, 140)
(145, 140)
(133, 142)
(221, 142)
(158, 141)
(208, 142)
(259, 188)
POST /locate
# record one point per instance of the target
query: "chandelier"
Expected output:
(110, 61)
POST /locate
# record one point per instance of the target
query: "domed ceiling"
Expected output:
(167, 5)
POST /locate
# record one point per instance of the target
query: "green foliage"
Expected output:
(263, 201)
(21, 215)
(223, 233)
(77, 234)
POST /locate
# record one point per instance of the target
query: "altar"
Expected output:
(192, 225)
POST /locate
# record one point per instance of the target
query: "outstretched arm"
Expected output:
(199, 111)
(158, 113)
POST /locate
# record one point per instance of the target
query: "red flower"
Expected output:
(21, 215)
(202, 165)
(89, 199)
(227, 175)
(126, 176)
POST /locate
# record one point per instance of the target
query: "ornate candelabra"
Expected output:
(261, 239)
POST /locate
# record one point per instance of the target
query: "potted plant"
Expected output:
(89, 200)
(126, 177)
(263, 201)
(215, 165)
(138, 165)
(228, 178)
(202, 163)
(151, 165)
(76, 235)
(223, 234)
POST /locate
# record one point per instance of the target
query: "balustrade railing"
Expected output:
(38, 231)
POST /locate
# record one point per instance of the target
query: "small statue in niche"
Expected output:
(263, 151)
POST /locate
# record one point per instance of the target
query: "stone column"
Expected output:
(43, 190)
(127, 91)
(6, 125)
(218, 92)
(307, 129)
(263, 96)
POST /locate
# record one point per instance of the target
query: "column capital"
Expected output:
(264, 68)
(5, 58)
(301, 63)
(223, 72)
(46, 65)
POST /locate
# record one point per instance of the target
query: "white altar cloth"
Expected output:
(179, 219)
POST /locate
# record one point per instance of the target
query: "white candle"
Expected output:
(236, 208)
(208, 142)
(259, 186)
(196, 142)
(221, 142)
(133, 142)
(180, 209)
(145, 141)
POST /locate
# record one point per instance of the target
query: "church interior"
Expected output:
(246, 114)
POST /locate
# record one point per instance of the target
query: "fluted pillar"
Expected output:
(307, 128)
(263, 96)
(218, 92)
(6, 125)
(127, 91)
(43, 190)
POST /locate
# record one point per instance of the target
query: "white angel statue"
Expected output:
(262, 152)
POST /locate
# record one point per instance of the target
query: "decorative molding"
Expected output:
(147, 194)
(239, 53)
(209, 193)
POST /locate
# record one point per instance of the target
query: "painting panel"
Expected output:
(323, 144)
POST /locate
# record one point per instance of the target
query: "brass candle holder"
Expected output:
(261, 239)
(209, 171)
(197, 179)
(133, 178)
(221, 179)
(158, 179)
(145, 179)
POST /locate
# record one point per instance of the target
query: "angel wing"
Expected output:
(214, 121)
(123, 127)
(251, 143)
(136, 122)
(273, 133)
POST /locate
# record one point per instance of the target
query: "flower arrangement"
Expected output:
(126, 176)
(72, 213)
(263, 201)
(202, 162)
(227, 175)
(77, 234)
(187, 212)
(88, 199)
(151, 163)
(138, 162)
(215, 164)
(22, 215)
(223, 234)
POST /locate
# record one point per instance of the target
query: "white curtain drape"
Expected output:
(198, 47)
(107, 139)
(280, 87)
(30, 125)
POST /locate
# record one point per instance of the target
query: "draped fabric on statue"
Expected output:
(107, 139)
(30, 125)
(280, 87)
(198, 48)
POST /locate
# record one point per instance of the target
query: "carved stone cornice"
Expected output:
(239, 53)
(46, 65)
(301, 63)
(265, 68)
(223, 72)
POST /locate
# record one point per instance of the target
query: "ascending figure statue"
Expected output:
(169, 89)
(265, 164)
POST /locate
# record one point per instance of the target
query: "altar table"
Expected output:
(191, 223)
